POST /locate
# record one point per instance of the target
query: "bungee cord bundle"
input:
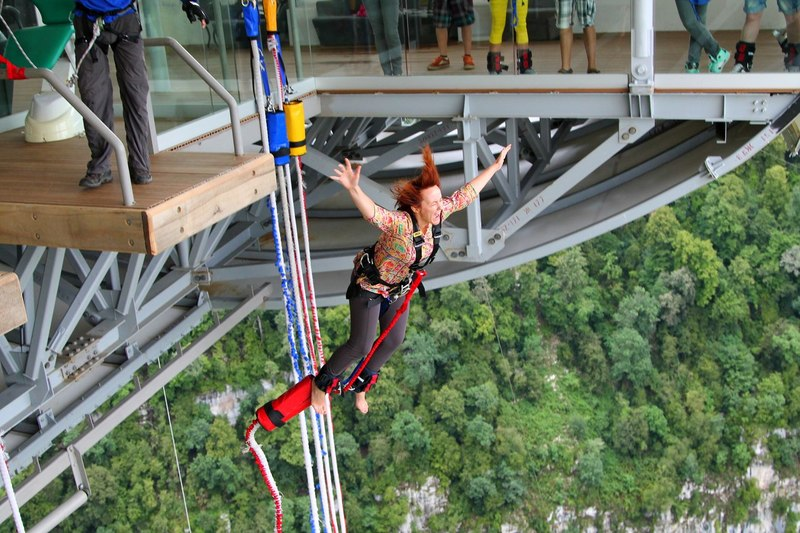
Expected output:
(273, 129)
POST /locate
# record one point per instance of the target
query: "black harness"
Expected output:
(366, 264)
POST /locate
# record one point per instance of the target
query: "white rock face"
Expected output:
(423, 502)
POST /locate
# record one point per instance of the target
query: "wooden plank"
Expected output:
(87, 228)
(12, 308)
(188, 213)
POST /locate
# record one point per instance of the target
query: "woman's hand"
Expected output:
(346, 175)
(502, 157)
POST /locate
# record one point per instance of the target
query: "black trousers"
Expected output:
(94, 84)
(365, 315)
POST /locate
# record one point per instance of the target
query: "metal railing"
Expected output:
(210, 80)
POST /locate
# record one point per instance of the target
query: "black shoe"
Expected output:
(91, 181)
(142, 178)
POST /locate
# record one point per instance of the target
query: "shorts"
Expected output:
(447, 13)
(787, 7)
(585, 10)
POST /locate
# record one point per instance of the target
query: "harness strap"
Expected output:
(107, 16)
(327, 381)
(365, 380)
(366, 264)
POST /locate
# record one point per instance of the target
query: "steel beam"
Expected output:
(37, 482)
(629, 132)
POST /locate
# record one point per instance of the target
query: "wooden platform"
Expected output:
(41, 203)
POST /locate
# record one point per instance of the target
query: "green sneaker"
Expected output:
(717, 63)
(691, 67)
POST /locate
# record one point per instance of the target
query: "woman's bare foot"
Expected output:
(318, 400)
(361, 402)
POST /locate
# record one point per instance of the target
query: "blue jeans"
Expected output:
(384, 16)
(693, 18)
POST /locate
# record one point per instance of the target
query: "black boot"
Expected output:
(525, 61)
(745, 52)
(494, 62)
(791, 59)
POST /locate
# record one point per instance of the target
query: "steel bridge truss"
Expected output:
(97, 318)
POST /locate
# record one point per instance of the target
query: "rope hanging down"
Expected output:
(274, 138)
(12, 500)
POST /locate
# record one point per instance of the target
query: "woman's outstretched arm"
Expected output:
(348, 177)
(480, 181)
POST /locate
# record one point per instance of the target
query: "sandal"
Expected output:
(565, 71)
(592, 71)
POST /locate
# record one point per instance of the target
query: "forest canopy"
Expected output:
(611, 375)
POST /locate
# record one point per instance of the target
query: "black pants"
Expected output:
(365, 314)
(94, 83)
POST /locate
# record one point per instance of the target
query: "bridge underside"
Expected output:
(587, 162)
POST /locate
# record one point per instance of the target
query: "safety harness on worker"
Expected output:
(366, 263)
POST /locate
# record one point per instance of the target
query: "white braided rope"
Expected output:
(12, 499)
(337, 499)
(320, 438)
(287, 222)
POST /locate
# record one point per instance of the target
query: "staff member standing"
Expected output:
(117, 26)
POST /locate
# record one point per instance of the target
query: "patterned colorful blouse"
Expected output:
(394, 250)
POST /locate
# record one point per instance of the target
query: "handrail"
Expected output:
(210, 80)
(93, 121)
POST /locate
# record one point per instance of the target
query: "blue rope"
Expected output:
(288, 301)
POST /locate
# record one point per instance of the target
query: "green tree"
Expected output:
(639, 311)
(590, 470)
(701, 259)
(724, 216)
(630, 357)
(409, 434)
(771, 401)
(776, 191)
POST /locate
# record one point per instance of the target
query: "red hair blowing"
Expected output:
(408, 194)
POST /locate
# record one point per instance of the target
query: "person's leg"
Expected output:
(375, 17)
(564, 25)
(524, 53)
(498, 10)
(746, 46)
(394, 339)
(462, 14)
(793, 23)
(394, 47)
(133, 90)
(441, 21)
(753, 10)
(693, 19)
(565, 41)
(94, 85)
(590, 44)
(586, 12)
(441, 40)
(363, 321)
(466, 36)
(791, 11)
(494, 59)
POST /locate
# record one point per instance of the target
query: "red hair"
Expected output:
(408, 194)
